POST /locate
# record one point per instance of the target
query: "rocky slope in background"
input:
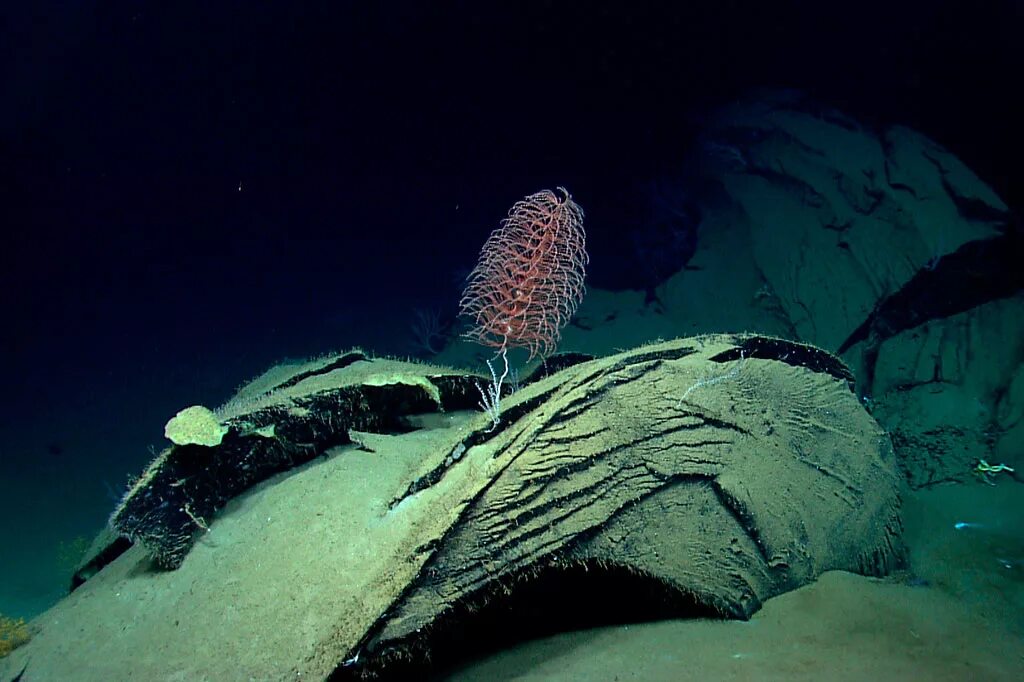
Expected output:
(876, 244)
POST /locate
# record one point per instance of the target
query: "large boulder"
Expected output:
(723, 469)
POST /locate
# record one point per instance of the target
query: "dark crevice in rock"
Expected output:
(533, 603)
(976, 273)
(339, 362)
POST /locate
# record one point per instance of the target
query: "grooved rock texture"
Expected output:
(728, 469)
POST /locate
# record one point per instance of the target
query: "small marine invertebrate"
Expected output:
(529, 279)
(527, 283)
